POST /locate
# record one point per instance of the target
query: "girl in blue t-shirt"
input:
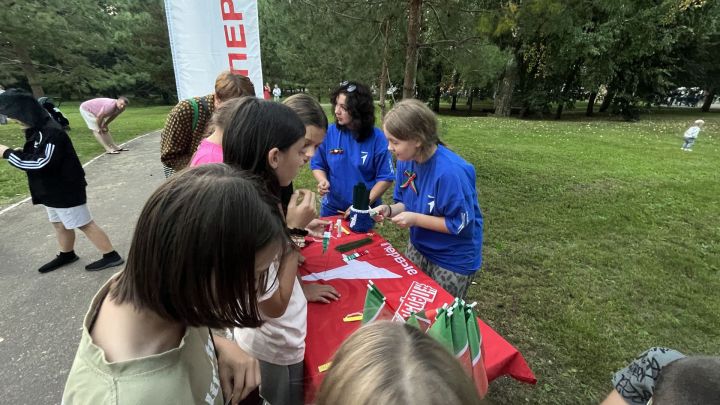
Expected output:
(353, 151)
(435, 197)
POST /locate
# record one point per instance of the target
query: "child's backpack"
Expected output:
(55, 113)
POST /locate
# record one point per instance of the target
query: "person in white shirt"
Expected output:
(691, 135)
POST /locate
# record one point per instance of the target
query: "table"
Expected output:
(406, 289)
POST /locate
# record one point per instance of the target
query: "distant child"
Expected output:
(435, 197)
(56, 179)
(269, 140)
(210, 148)
(201, 247)
(691, 135)
(395, 363)
(353, 151)
(98, 113)
(661, 376)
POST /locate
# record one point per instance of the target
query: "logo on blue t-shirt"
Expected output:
(431, 203)
(363, 156)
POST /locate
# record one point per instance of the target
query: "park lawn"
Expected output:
(136, 120)
(602, 239)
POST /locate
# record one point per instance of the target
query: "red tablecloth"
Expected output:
(411, 291)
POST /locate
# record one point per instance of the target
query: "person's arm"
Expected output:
(407, 219)
(276, 305)
(31, 161)
(378, 190)
(319, 167)
(239, 372)
(176, 136)
(384, 169)
(323, 183)
(111, 117)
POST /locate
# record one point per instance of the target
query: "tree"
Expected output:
(39, 37)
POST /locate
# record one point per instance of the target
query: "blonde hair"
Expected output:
(699, 122)
(412, 120)
(308, 109)
(394, 363)
(230, 85)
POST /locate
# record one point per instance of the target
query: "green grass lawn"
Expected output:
(136, 120)
(601, 237)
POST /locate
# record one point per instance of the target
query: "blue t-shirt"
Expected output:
(348, 162)
(445, 188)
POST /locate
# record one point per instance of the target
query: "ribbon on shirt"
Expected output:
(410, 181)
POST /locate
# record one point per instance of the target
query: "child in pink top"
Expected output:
(210, 148)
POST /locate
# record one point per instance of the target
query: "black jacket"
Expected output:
(55, 175)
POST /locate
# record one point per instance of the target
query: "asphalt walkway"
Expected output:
(41, 314)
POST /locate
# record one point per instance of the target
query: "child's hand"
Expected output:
(317, 226)
(323, 187)
(320, 293)
(299, 215)
(383, 212)
(239, 372)
(405, 219)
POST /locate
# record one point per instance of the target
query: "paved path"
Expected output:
(41, 314)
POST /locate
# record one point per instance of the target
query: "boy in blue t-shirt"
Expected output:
(435, 197)
(353, 151)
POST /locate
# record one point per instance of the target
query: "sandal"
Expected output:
(114, 152)
(122, 150)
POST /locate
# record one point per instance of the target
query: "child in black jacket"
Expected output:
(56, 179)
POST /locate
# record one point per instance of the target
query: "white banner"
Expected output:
(209, 36)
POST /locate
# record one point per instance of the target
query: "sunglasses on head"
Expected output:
(348, 87)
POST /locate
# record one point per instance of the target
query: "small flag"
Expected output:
(440, 329)
(458, 325)
(375, 307)
(410, 181)
(475, 345)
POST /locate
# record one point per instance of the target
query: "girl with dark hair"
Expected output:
(353, 151)
(269, 139)
(202, 246)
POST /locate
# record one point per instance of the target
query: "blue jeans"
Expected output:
(688, 143)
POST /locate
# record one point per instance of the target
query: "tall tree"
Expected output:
(40, 36)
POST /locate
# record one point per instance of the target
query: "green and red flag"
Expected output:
(440, 329)
(458, 325)
(474, 339)
(375, 306)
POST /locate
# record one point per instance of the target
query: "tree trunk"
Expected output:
(607, 101)
(455, 77)
(709, 97)
(438, 80)
(28, 68)
(503, 101)
(411, 51)
(591, 104)
(470, 99)
(384, 72)
(558, 112)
